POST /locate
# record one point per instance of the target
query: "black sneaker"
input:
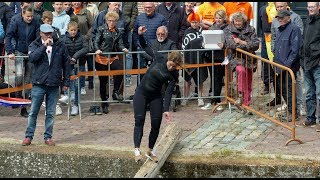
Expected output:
(92, 110)
(90, 85)
(24, 112)
(116, 96)
(274, 102)
(98, 110)
(105, 110)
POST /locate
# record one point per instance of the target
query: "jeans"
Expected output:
(75, 84)
(312, 87)
(73, 87)
(129, 59)
(38, 92)
(299, 88)
(2, 60)
(23, 70)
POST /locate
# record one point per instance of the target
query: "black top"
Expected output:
(156, 76)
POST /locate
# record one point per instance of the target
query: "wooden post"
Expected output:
(163, 149)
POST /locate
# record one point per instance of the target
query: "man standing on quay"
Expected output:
(50, 59)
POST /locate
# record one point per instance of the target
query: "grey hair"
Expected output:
(238, 15)
(317, 3)
(163, 27)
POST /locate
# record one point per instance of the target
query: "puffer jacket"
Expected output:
(77, 47)
(248, 34)
(151, 23)
(108, 41)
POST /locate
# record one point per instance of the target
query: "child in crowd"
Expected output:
(77, 48)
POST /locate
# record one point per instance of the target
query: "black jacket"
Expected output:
(108, 41)
(310, 51)
(5, 15)
(167, 44)
(176, 21)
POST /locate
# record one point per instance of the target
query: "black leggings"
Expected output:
(140, 102)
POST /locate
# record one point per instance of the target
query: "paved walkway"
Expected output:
(203, 132)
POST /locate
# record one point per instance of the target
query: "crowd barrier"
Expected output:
(259, 101)
(230, 87)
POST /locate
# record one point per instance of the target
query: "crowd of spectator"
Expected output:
(89, 27)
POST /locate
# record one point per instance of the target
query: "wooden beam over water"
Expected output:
(163, 149)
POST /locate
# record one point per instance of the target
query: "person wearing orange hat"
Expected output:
(193, 39)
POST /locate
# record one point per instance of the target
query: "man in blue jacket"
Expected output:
(23, 29)
(287, 46)
(51, 65)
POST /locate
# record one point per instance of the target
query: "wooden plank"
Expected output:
(163, 149)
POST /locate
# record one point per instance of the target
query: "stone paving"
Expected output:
(203, 132)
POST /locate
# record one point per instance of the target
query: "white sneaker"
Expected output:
(83, 91)
(220, 108)
(44, 104)
(137, 155)
(58, 110)
(74, 111)
(193, 94)
(282, 108)
(64, 99)
(200, 102)
(184, 102)
(72, 95)
(207, 107)
(302, 110)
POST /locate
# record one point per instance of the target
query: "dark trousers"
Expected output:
(218, 75)
(266, 68)
(140, 103)
(286, 89)
(104, 80)
(90, 67)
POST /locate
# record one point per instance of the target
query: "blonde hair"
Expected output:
(47, 15)
(222, 14)
(112, 14)
(73, 24)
